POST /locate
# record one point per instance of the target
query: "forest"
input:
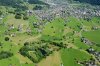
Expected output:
(94, 2)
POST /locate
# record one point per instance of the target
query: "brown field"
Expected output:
(52, 60)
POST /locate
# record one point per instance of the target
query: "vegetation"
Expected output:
(34, 53)
(49, 33)
(36, 2)
(71, 57)
(5, 54)
(95, 2)
(6, 38)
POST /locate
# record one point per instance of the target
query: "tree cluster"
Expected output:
(33, 52)
(94, 2)
(5, 54)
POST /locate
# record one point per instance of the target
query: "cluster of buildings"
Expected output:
(95, 53)
(65, 10)
(19, 29)
(86, 41)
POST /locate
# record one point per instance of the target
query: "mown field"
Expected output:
(94, 37)
(71, 56)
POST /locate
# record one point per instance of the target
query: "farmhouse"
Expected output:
(29, 12)
(86, 41)
(28, 30)
(11, 27)
(20, 27)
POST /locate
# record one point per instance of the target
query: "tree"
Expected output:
(5, 54)
(1, 13)
(25, 16)
(36, 2)
(6, 38)
(18, 16)
(37, 7)
(26, 43)
(0, 44)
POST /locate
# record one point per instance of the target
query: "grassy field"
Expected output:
(93, 36)
(52, 60)
(10, 61)
(15, 43)
(70, 56)
(16, 22)
(53, 30)
(74, 23)
(80, 44)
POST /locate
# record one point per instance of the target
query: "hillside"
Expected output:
(49, 33)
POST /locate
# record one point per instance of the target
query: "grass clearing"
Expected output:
(52, 60)
(69, 56)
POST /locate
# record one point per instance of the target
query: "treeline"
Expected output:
(14, 3)
(18, 7)
(37, 2)
(10, 2)
(94, 2)
(18, 2)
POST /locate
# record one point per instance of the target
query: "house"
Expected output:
(28, 30)
(11, 27)
(20, 27)
(29, 12)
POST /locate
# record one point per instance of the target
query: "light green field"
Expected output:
(15, 44)
(10, 61)
(53, 30)
(93, 36)
(80, 44)
(71, 56)
(73, 23)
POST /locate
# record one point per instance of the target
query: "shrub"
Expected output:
(5, 54)
(18, 16)
(6, 38)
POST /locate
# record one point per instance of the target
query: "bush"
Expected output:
(26, 43)
(25, 17)
(18, 16)
(0, 44)
(1, 13)
(5, 54)
(37, 7)
(6, 38)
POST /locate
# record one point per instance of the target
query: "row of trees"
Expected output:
(13, 3)
(16, 2)
(1, 13)
(95, 2)
(36, 2)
